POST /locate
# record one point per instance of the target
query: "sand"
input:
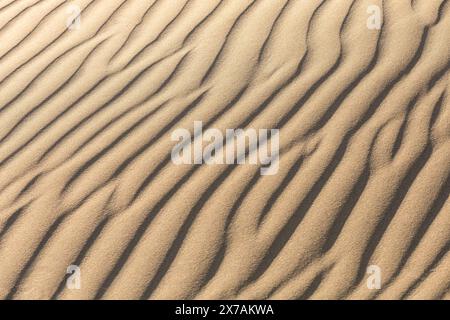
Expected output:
(91, 91)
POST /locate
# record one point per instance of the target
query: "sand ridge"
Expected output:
(86, 175)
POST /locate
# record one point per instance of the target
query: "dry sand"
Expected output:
(86, 177)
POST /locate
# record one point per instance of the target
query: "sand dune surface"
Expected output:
(348, 99)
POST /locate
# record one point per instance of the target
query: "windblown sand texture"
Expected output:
(86, 176)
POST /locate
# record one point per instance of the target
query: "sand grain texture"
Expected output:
(86, 176)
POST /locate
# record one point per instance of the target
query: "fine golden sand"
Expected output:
(87, 109)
